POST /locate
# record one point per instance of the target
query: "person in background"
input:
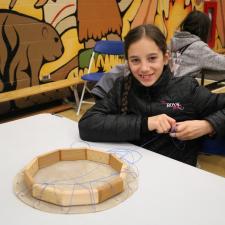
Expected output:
(190, 53)
(153, 109)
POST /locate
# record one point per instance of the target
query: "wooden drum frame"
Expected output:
(75, 197)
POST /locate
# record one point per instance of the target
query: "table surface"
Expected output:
(169, 192)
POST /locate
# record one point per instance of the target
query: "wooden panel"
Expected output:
(124, 171)
(79, 197)
(98, 156)
(73, 154)
(110, 189)
(115, 163)
(64, 197)
(32, 167)
(28, 180)
(46, 193)
(48, 159)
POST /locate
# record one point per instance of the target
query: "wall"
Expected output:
(53, 38)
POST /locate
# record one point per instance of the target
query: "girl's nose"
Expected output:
(145, 67)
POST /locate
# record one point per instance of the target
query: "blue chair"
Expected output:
(214, 146)
(105, 47)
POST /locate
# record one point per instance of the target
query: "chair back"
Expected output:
(109, 47)
(104, 47)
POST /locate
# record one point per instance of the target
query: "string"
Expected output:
(174, 140)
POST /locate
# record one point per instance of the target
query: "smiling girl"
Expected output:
(151, 108)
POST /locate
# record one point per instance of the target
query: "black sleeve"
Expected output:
(105, 122)
(210, 106)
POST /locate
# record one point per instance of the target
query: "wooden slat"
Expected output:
(219, 90)
(221, 51)
(110, 189)
(48, 159)
(38, 89)
(206, 81)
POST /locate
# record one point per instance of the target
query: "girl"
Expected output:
(151, 108)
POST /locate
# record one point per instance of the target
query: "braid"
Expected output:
(126, 88)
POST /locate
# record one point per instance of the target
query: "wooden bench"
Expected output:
(42, 88)
(217, 90)
(206, 81)
(55, 85)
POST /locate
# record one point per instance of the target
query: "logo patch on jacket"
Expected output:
(173, 105)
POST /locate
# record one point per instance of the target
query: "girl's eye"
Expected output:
(152, 58)
(134, 61)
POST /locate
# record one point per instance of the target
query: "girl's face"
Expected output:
(146, 61)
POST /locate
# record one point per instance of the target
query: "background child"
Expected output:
(190, 52)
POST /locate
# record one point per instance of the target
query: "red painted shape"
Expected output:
(61, 10)
(210, 8)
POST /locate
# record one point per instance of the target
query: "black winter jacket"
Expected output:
(180, 98)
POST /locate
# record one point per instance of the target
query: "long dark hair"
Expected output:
(146, 30)
(197, 23)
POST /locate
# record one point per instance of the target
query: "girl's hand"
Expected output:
(192, 129)
(161, 123)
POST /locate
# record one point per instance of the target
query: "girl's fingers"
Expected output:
(165, 126)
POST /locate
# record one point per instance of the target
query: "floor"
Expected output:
(211, 163)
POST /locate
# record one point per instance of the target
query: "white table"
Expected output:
(169, 192)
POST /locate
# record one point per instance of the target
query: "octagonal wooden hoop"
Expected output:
(76, 197)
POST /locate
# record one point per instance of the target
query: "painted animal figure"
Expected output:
(26, 44)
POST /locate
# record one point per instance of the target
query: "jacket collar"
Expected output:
(155, 88)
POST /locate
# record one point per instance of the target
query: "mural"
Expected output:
(52, 39)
